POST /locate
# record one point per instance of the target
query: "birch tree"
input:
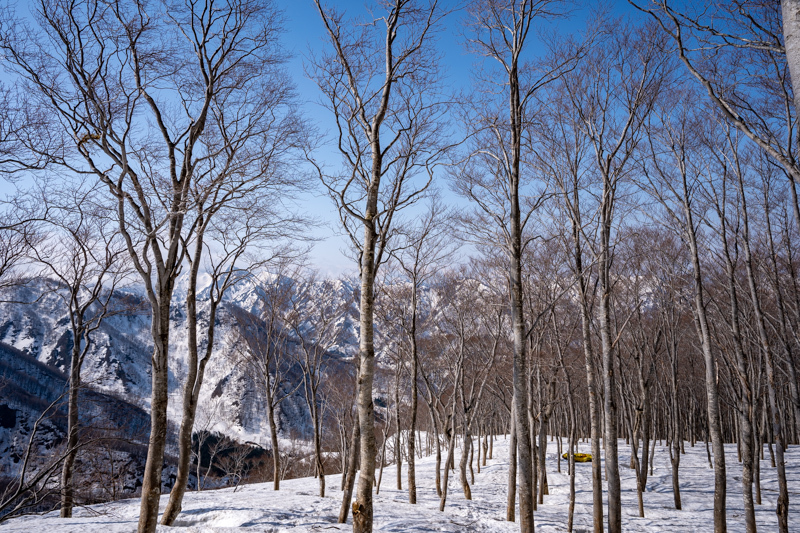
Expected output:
(84, 259)
(130, 88)
(501, 32)
(421, 252)
(612, 92)
(379, 79)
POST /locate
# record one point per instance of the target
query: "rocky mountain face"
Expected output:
(35, 344)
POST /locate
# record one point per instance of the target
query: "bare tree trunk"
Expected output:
(472, 448)
(352, 468)
(573, 444)
(151, 478)
(609, 385)
(588, 354)
(512, 468)
(478, 448)
(382, 461)
(398, 455)
(175, 501)
(276, 457)
(412, 423)
(191, 391)
(438, 453)
(462, 464)
(677, 436)
(318, 454)
(362, 507)
(485, 448)
(544, 490)
(67, 490)
(520, 373)
(450, 455)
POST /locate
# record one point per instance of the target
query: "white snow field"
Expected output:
(297, 508)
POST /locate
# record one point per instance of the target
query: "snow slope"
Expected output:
(297, 508)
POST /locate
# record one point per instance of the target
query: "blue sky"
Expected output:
(304, 31)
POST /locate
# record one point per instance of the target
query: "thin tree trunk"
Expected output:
(609, 385)
(382, 463)
(438, 455)
(151, 478)
(276, 458)
(412, 423)
(450, 454)
(485, 448)
(544, 490)
(398, 455)
(67, 490)
(352, 468)
(362, 507)
(472, 448)
(318, 453)
(191, 390)
(512, 469)
(462, 464)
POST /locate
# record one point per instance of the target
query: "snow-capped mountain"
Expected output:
(35, 344)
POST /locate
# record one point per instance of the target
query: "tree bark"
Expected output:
(151, 479)
(512, 468)
(790, 10)
(412, 423)
(362, 507)
(520, 362)
(462, 464)
(273, 436)
(352, 468)
(67, 490)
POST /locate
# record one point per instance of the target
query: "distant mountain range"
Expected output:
(35, 344)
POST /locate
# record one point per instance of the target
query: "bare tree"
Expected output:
(501, 31)
(315, 321)
(387, 122)
(131, 89)
(421, 252)
(239, 225)
(83, 256)
(612, 92)
(672, 177)
(262, 341)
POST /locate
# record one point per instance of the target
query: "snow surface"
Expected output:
(297, 508)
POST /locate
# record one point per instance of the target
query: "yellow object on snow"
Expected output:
(580, 457)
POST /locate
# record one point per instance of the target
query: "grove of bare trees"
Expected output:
(592, 236)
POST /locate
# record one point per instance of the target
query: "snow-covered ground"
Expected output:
(297, 508)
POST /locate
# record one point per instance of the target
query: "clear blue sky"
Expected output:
(304, 31)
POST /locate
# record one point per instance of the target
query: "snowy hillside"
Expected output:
(119, 361)
(296, 507)
(35, 344)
